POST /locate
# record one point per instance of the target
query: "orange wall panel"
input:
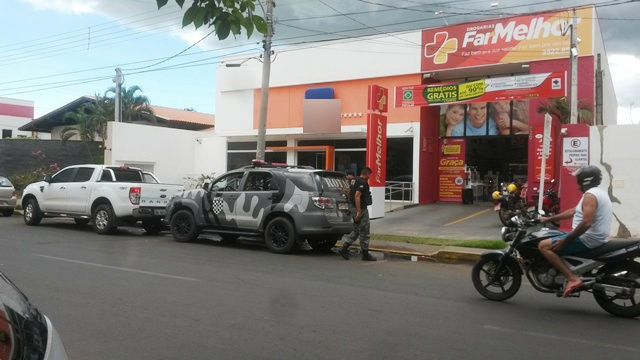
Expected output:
(285, 103)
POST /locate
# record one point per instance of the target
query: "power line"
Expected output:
(173, 56)
(317, 43)
(83, 42)
(94, 27)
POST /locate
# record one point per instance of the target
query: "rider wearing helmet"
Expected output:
(591, 224)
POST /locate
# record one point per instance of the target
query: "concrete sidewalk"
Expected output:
(449, 221)
(422, 252)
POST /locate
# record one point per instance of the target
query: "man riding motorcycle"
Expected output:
(590, 229)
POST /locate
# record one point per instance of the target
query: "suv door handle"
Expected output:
(62, 187)
(83, 187)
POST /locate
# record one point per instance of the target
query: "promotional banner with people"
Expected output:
(482, 119)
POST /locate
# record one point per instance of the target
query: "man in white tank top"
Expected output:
(590, 229)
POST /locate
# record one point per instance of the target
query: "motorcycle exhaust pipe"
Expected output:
(619, 290)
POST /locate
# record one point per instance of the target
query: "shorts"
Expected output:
(575, 247)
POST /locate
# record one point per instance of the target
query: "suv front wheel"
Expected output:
(184, 227)
(280, 236)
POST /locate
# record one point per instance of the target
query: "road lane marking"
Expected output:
(468, 217)
(116, 268)
(566, 339)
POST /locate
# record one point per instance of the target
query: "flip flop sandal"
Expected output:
(568, 291)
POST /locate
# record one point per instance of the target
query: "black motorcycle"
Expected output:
(609, 272)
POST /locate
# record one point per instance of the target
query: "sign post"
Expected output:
(546, 149)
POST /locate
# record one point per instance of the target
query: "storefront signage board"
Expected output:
(378, 99)
(451, 169)
(575, 152)
(505, 40)
(377, 148)
(523, 87)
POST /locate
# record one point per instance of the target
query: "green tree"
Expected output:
(560, 109)
(86, 126)
(226, 16)
(135, 106)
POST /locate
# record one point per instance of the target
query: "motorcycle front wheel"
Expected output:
(500, 287)
(620, 275)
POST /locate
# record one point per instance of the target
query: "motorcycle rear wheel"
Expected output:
(610, 302)
(506, 284)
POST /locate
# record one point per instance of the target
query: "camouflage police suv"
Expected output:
(285, 205)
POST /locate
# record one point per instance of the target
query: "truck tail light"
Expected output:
(134, 195)
(323, 202)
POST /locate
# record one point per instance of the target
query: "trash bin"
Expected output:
(467, 196)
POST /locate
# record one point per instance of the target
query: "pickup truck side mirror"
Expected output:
(47, 178)
(206, 186)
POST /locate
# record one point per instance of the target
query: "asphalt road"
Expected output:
(132, 296)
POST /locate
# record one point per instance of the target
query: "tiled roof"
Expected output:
(186, 116)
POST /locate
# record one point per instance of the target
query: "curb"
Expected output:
(450, 255)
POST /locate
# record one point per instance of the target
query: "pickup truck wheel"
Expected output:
(81, 222)
(32, 215)
(183, 226)
(7, 212)
(104, 220)
(280, 236)
(152, 227)
(322, 245)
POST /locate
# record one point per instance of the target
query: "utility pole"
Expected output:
(118, 100)
(573, 53)
(266, 72)
(599, 99)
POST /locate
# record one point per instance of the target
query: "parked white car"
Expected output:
(108, 196)
(7, 197)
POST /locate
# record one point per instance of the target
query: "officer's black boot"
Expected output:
(367, 257)
(344, 251)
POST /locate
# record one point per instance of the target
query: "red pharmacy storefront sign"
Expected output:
(377, 148)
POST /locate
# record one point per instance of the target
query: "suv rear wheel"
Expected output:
(280, 236)
(183, 226)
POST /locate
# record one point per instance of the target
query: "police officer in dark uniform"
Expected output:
(360, 197)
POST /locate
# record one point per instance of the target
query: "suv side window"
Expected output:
(229, 182)
(64, 176)
(83, 175)
(260, 181)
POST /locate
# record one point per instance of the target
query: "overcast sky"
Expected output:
(42, 38)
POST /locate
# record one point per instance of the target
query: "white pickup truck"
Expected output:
(107, 196)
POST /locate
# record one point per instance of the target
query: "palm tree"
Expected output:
(85, 126)
(90, 121)
(560, 109)
(134, 106)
